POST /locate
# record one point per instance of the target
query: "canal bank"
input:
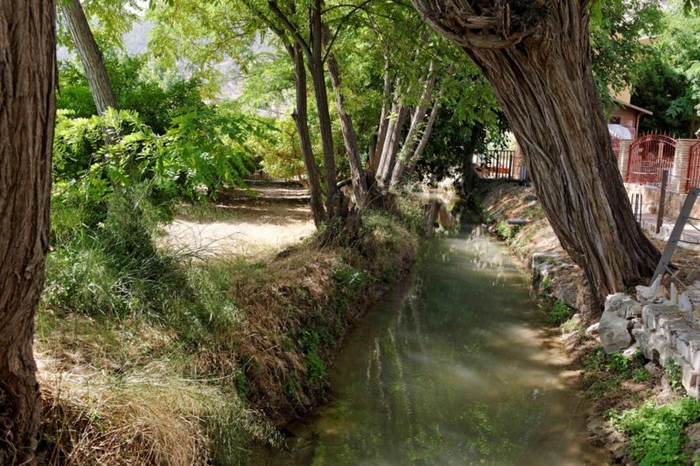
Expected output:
(618, 387)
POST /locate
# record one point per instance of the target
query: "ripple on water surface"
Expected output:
(450, 369)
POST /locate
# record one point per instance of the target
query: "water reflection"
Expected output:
(449, 371)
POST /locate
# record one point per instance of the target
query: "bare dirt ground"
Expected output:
(255, 223)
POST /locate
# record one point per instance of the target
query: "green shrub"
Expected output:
(675, 375)
(559, 313)
(546, 284)
(656, 432)
(309, 340)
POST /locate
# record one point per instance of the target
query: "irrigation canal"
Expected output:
(453, 368)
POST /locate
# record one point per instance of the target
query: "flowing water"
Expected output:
(453, 368)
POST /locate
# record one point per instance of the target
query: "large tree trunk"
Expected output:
(90, 55)
(27, 111)
(301, 118)
(537, 57)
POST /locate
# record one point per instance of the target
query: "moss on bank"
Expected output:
(150, 358)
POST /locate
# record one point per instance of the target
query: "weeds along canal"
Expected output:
(454, 367)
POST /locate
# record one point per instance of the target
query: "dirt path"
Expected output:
(254, 224)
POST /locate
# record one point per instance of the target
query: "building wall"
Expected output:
(627, 118)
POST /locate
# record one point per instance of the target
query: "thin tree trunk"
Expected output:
(537, 59)
(384, 152)
(297, 48)
(391, 145)
(357, 173)
(27, 114)
(410, 162)
(301, 118)
(383, 118)
(426, 133)
(412, 138)
(318, 78)
(90, 55)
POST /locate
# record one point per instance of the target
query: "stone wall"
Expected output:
(650, 200)
(660, 323)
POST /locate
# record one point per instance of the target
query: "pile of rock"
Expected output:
(661, 324)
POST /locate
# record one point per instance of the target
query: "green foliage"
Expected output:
(605, 373)
(150, 92)
(615, 363)
(115, 271)
(506, 231)
(109, 270)
(109, 21)
(205, 148)
(569, 326)
(640, 374)
(310, 341)
(353, 280)
(546, 284)
(279, 155)
(615, 29)
(675, 375)
(657, 431)
(669, 82)
(666, 92)
(558, 313)
(208, 148)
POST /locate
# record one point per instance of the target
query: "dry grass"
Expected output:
(149, 418)
(145, 418)
(133, 391)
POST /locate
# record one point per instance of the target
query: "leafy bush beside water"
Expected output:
(656, 432)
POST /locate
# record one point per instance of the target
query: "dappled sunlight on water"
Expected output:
(450, 370)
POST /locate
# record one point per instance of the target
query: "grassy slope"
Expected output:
(182, 361)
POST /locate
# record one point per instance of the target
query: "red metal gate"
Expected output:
(649, 156)
(693, 180)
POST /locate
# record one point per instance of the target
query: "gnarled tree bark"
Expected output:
(536, 54)
(27, 114)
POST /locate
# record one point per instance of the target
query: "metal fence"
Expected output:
(649, 156)
(693, 180)
(497, 164)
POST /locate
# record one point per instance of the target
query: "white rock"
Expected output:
(631, 350)
(592, 330)
(645, 292)
(614, 333)
(684, 303)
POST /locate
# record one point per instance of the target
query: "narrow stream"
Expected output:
(453, 368)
